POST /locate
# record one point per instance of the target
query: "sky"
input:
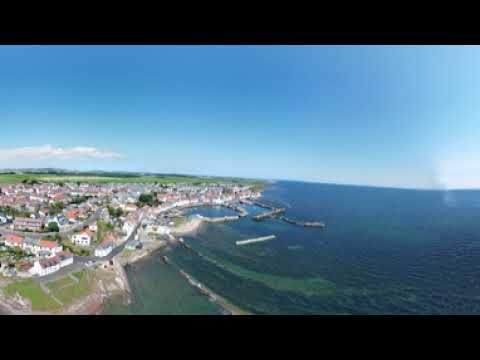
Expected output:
(396, 116)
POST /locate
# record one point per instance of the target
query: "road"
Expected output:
(80, 262)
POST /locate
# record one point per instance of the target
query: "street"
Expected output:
(80, 262)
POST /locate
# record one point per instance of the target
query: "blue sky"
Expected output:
(403, 116)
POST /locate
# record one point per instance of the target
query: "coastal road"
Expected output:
(80, 262)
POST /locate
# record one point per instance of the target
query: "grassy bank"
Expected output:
(31, 291)
(66, 290)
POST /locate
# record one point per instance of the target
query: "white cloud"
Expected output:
(49, 152)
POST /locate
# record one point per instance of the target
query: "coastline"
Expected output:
(188, 227)
(116, 283)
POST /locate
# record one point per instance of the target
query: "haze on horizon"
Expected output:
(395, 116)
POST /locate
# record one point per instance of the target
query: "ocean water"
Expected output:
(384, 251)
(159, 289)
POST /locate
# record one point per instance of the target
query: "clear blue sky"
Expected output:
(404, 116)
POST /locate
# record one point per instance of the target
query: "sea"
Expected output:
(383, 251)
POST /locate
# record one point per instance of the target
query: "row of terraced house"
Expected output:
(49, 256)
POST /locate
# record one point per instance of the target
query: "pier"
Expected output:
(263, 205)
(318, 224)
(218, 219)
(256, 240)
(269, 214)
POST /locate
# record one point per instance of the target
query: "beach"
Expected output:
(188, 227)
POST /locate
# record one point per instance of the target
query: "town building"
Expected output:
(83, 238)
(105, 247)
(13, 241)
(22, 224)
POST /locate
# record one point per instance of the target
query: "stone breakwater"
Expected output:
(218, 219)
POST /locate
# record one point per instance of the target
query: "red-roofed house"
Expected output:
(51, 246)
(72, 215)
(13, 241)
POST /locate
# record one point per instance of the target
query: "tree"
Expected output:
(53, 227)
(147, 199)
(115, 212)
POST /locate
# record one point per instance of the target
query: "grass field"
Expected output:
(67, 290)
(17, 178)
(32, 291)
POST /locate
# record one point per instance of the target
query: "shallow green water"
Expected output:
(159, 289)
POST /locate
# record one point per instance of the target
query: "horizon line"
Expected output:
(244, 177)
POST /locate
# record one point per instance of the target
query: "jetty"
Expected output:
(255, 240)
(304, 223)
(218, 219)
(263, 205)
(269, 214)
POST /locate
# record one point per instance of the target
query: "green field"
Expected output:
(67, 290)
(32, 291)
(18, 178)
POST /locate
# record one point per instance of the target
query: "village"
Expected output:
(48, 227)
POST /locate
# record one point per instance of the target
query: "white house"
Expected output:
(31, 245)
(46, 266)
(105, 247)
(13, 241)
(51, 246)
(83, 238)
(129, 226)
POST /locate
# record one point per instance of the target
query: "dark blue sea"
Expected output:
(383, 251)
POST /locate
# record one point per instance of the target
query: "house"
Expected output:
(32, 246)
(129, 226)
(51, 246)
(61, 220)
(59, 197)
(66, 258)
(72, 215)
(93, 227)
(46, 266)
(105, 247)
(131, 208)
(25, 266)
(13, 241)
(44, 212)
(83, 238)
(3, 219)
(28, 224)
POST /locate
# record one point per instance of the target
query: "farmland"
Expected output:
(107, 179)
